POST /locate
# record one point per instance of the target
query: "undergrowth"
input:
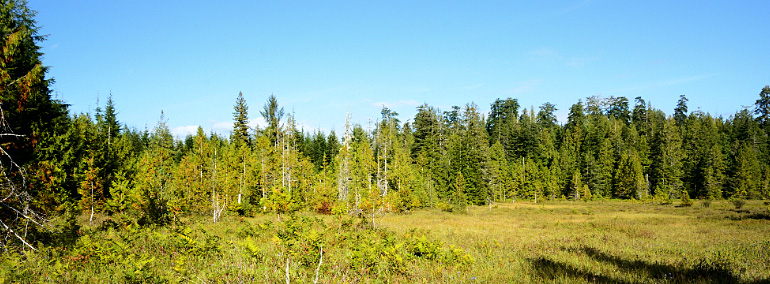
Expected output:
(564, 241)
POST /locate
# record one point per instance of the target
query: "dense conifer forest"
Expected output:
(453, 195)
(56, 162)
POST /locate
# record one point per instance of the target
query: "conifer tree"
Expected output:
(469, 152)
(639, 116)
(667, 164)
(619, 109)
(576, 185)
(502, 120)
(606, 165)
(459, 198)
(273, 116)
(680, 112)
(241, 121)
(762, 108)
(38, 173)
(154, 176)
(498, 171)
(746, 173)
(629, 178)
(546, 117)
(714, 174)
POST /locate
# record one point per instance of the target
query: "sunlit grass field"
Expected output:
(522, 242)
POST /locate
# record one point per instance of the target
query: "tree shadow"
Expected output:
(550, 269)
(703, 272)
(745, 214)
(759, 216)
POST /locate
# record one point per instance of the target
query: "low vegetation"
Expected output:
(619, 192)
(559, 241)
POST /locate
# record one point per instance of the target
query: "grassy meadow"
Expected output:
(523, 242)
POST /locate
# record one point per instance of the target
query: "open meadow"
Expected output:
(384, 142)
(558, 241)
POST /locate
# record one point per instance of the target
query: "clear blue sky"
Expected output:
(191, 58)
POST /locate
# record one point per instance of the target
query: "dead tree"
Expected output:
(16, 216)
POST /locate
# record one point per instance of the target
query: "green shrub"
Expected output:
(738, 203)
(686, 201)
(443, 206)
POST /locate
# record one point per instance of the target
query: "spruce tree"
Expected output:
(746, 173)
(762, 108)
(37, 176)
(619, 109)
(459, 198)
(714, 174)
(273, 114)
(241, 121)
(668, 156)
(680, 112)
(546, 117)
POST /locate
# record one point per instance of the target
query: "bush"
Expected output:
(443, 206)
(706, 203)
(686, 201)
(738, 203)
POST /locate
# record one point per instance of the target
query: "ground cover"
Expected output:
(556, 241)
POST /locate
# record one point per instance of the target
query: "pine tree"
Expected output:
(546, 117)
(273, 116)
(762, 108)
(498, 172)
(667, 164)
(629, 178)
(680, 112)
(459, 198)
(35, 123)
(639, 116)
(746, 173)
(500, 123)
(469, 154)
(153, 179)
(241, 121)
(714, 174)
(606, 165)
(619, 109)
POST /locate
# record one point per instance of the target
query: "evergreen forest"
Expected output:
(59, 165)
(57, 162)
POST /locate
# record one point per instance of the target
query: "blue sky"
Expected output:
(321, 58)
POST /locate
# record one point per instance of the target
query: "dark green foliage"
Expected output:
(746, 173)
(619, 109)
(451, 159)
(469, 155)
(680, 112)
(273, 116)
(667, 163)
(546, 117)
(762, 108)
(241, 121)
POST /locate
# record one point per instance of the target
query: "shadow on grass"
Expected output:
(742, 215)
(703, 272)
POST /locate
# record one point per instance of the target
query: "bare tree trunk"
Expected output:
(321, 260)
(287, 271)
(90, 220)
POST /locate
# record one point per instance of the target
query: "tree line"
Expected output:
(56, 162)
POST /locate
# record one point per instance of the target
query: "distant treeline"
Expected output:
(608, 148)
